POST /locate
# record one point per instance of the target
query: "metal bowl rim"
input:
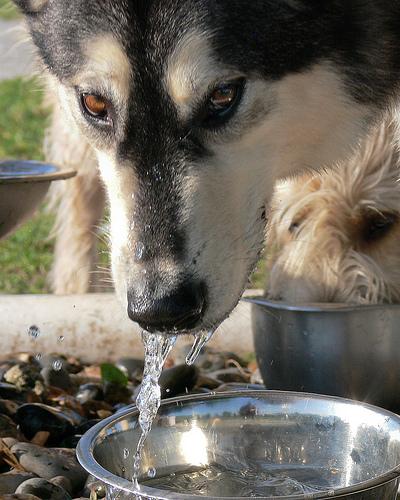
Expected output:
(322, 307)
(60, 173)
(86, 444)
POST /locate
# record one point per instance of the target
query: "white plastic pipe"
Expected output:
(95, 327)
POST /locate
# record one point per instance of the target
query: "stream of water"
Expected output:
(157, 348)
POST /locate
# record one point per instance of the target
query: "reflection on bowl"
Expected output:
(251, 444)
(333, 349)
(23, 186)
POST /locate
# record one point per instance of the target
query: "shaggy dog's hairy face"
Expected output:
(335, 237)
(194, 108)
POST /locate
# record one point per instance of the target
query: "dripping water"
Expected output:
(157, 347)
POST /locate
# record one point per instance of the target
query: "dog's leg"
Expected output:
(79, 203)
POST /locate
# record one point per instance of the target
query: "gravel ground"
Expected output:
(16, 53)
(48, 402)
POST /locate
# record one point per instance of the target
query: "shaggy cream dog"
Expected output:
(335, 237)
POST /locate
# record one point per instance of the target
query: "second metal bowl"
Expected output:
(23, 186)
(340, 350)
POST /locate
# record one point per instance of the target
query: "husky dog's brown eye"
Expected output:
(223, 97)
(222, 102)
(95, 106)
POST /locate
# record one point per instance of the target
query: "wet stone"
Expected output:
(256, 377)
(73, 365)
(8, 407)
(9, 391)
(8, 428)
(23, 375)
(115, 393)
(94, 485)
(4, 367)
(119, 407)
(211, 360)
(93, 407)
(132, 367)
(43, 489)
(90, 392)
(10, 481)
(36, 417)
(20, 497)
(71, 442)
(9, 441)
(56, 378)
(63, 482)
(26, 357)
(207, 382)
(231, 375)
(51, 462)
(81, 429)
(210, 363)
(177, 380)
(48, 360)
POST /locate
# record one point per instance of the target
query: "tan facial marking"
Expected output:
(191, 69)
(37, 5)
(189, 64)
(107, 62)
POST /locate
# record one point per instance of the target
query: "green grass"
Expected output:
(25, 257)
(8, 10)
(258, 279)
(22, 119)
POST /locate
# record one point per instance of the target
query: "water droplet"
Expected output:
(61, 338)
(57, 365)
(152, 472)
(126, 453)
(34, 331)
(200, 341)
(168, 345)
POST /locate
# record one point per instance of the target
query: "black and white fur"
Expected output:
(188, 201)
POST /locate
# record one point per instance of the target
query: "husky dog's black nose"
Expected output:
(179, 310)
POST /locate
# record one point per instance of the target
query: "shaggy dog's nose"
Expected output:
(180, 310)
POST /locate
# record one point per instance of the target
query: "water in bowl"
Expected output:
(247, 481)
(255, 480)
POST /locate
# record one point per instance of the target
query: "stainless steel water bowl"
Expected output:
(23, 186)
(334, 448)
(333, 349)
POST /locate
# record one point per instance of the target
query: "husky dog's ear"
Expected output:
(31, 6)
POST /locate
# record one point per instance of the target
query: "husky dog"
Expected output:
(194, 108)
(334, 236)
